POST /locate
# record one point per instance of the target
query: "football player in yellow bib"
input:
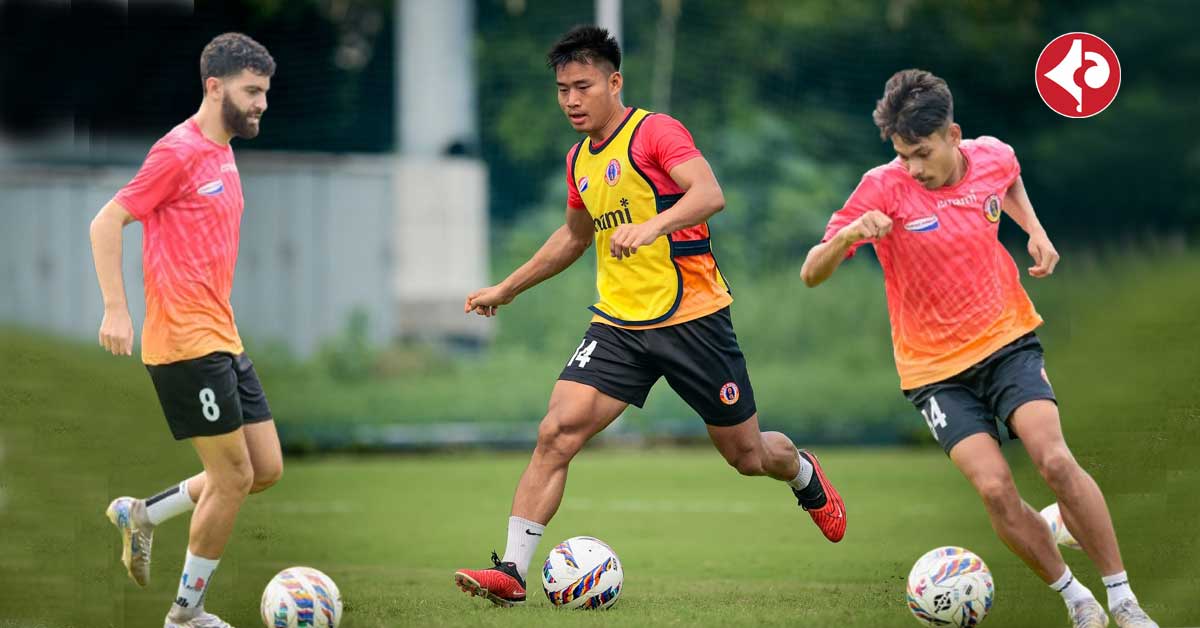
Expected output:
(637, 187)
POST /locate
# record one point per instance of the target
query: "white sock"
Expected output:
(523, 538)
(170, 503)
(805, 474)
(197, 574)
(1071, 589)
(1118, 589)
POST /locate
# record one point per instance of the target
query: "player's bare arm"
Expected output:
(702, 197)
(561, 249)
(116, 330)
(1017, 206)
(825, 257)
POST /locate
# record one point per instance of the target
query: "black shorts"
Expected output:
(210, 395)
(989, 392)
(700, 359)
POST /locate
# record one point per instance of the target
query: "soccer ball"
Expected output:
(950, 586)
(582, 572)
(301, 596)
(1058, 527)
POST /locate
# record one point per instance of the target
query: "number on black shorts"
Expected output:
(583, 354)
(934, 417)
(208, 404)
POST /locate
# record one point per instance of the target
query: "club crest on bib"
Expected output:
(991, 208)
(730, 393)
(612, 173)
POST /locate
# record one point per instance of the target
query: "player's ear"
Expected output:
(954, 133)
(213, 87)
(615, 81)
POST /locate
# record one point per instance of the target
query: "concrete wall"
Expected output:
(402, 240)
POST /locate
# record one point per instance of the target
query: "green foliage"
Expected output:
(778, 96)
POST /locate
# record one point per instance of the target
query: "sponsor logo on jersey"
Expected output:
(609, 220)
(962, 201)
(230, 167)
(730, 394)
(921, 225)
(583, 181)
(612, 173)
(991, 208)
(212, 188)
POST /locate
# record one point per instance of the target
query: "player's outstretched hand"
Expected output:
(486, 301)
(116, 332)
(627, 238)
(871, 225)
(1045, 258)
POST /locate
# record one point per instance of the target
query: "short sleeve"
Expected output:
(866, 197)
(667, 142)
(1004, 159)
(155, 183)
(574, 200)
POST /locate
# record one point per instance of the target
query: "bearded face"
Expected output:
(241, 123)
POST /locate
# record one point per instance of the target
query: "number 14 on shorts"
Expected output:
(583, 354)
(934, 417)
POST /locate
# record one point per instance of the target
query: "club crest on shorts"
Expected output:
(991, 208)
(730, 393)
(612, 173)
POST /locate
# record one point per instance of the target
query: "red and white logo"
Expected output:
(1078, 75)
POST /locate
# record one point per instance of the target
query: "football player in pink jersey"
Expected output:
(962, 327)
(188, 197)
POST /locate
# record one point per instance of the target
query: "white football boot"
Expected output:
(1087, 614)
(1129, 615)
(203, 620)
(136, 539)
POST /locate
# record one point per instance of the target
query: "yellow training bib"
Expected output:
(646, 288)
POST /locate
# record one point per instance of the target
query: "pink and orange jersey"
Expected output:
(954, 293)
(188, 197)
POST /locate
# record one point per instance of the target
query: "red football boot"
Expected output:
(825, 506)
(501, 584)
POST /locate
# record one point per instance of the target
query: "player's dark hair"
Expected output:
(229, 54)
(585, 44)
(915, 103)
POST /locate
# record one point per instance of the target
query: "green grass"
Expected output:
(701, 545)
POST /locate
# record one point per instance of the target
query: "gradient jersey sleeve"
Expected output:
(869, 195)
(156, 182)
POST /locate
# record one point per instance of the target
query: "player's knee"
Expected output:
(999, 495)
(265, 477)
(233, 481)
(748, 463)
(557, 441)
(1058, 468)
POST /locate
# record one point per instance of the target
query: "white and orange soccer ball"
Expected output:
(1058, 527)
(950, 586)
(582, 572)
(301, 596)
